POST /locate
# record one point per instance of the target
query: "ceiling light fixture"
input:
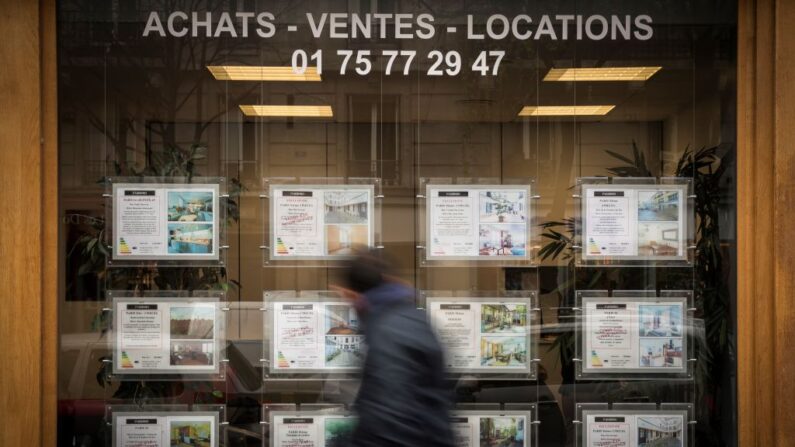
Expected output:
(246, 73)
(288, 111)
(601, 74)
(565, 110)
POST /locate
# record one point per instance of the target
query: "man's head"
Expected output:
(366, 271)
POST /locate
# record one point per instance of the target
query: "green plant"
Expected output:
(172, 162)
(560, 244)
(707, 167)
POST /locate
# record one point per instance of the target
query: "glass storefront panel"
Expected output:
(594, 143)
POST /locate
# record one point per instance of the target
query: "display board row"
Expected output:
(599, 425)
(629, 334)
(319, 221)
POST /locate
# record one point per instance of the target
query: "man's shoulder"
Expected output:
(403, 324)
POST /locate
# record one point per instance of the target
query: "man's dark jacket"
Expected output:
(404, 399)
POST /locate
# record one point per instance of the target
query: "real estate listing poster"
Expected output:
(477, 222)
(315, 336)
(320, 222)
(617, 429)
(634, 335)
(642, 222)
(166, 336)
(186, 429)
(165, 221)
(470, 429)
(311, 430)
(490, 336)
(476, 430)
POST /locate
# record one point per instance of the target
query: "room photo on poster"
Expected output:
(502, 240)
(343, 340)
(660, 320)
(346, 214)
(658, 222)
(190, 238)
(503, 351)
(337, 431)
(190, 206)
(505, 206)
(658, 238)
(660, 431)
(193, 322)
(192, 353)
(658, 206)
(190, 434)
(343, 240)
(502, 431)
(661, 352)
(346, 207)
(503, 318)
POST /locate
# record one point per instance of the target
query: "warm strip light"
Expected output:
(244, 73)
(565, 110)
(288, 111)
(601, 74)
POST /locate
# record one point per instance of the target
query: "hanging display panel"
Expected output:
(634, 425)
(486, 333)
(319, 221)
(165, 426)
(466, 222)
(168, 335)
(324, 428)
(635, 221)
(312, 333)
(169, 220)
(332, 426)
(635, 334)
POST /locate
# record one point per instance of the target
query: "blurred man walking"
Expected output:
(404, 399)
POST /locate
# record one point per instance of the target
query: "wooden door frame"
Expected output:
(765, 218)
(29, 222)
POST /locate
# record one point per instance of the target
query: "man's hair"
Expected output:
(367, 270)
